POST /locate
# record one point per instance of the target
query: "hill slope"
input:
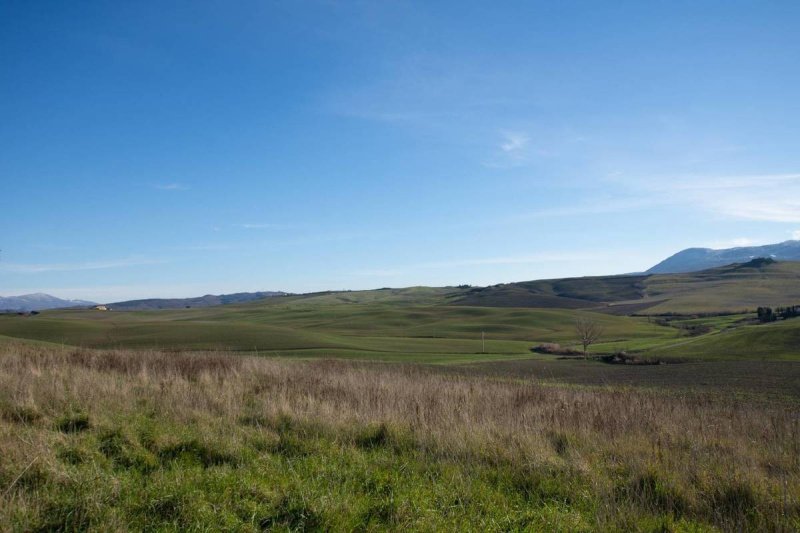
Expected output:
(566, 293)
(730, 288)
(779, 341)
(694, 259)
(208, 300)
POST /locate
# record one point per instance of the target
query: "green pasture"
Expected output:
(426, 324)
(327, 330)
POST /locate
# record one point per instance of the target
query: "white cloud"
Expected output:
(171, 187)
(796, 235)
(513, 150)
(260, 226)
(599, 206)
(525, 259)
(514, 142)
(34, 268)
(768, 197)
(379, 272)
(738, 242)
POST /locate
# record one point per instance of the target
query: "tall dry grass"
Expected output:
(723, 462)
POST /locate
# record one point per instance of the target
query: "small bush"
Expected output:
(553, 348)
(624, 358)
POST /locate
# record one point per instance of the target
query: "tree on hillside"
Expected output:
(589, 331)
(765, 314)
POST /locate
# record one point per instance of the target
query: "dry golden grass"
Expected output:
(608, 459)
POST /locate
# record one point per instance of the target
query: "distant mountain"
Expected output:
(38, 302)
(694, 259)
(208, 300)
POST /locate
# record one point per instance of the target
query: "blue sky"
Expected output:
(182, 148)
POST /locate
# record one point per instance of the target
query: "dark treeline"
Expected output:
(767, 314)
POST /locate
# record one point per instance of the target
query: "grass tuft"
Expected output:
(73, 423)
(21, 414)
(373, 437)
(292, 513)
(192, 451)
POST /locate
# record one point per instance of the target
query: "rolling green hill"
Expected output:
(309, 327)
(447, 324)
(568, 293)
(777, 341)
(731, 288)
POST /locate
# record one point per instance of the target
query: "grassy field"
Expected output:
(441, 325)
(144, 440)
(284, 414)
(778, 341)
(300, 327)
(377, 330)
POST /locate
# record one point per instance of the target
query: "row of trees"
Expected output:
(767, 314)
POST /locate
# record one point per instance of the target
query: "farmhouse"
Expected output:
(100, 308)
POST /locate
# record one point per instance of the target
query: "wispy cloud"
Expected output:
(209, 247)
(765, 197)
(514, 142)
(379, 272)
(543, 257)
(602, 205)
(34, 268)
(513, 150)
(171, 187)
(260, 226)
(524, 259)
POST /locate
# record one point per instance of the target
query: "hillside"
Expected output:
(38, 302)
(694, 259)
(567, 293)
(772, 342)
(730, 288)
(208, 300)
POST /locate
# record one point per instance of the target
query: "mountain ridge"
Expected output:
(208, 300)
(696, 259)
(38, 301)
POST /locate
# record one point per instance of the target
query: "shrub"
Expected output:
(553, 348)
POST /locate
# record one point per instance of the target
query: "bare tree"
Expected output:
(589, 331)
